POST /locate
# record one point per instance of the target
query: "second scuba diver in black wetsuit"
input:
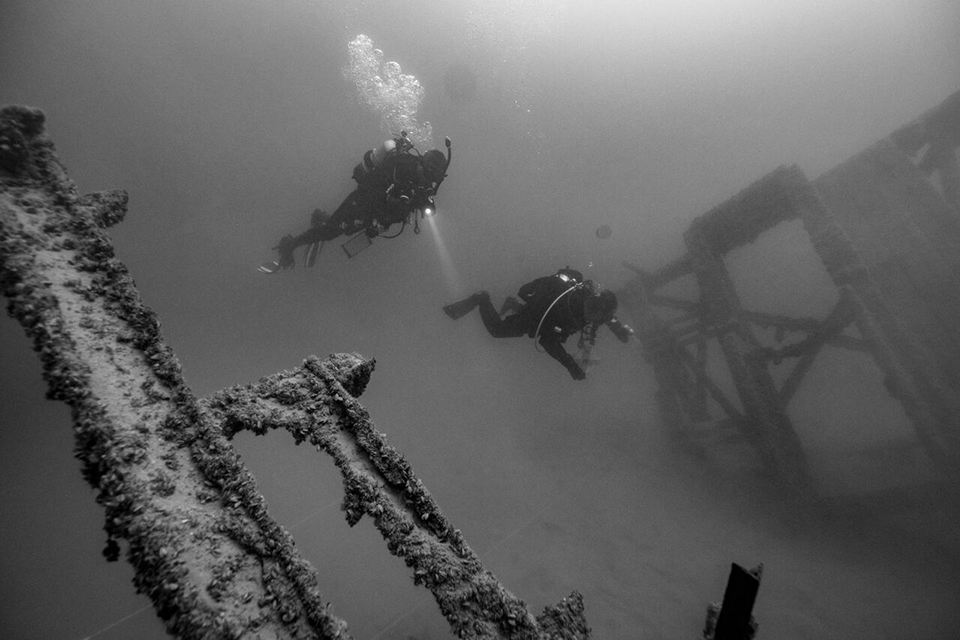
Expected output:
(393, 181)
(552, 309)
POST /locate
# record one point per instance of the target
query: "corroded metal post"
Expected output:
(766, 424)
(681, 382)
(197, 531)
(888, 236)
(908, 238)
(173, 489)
(936, 134)
(910, 376)
(315, 403)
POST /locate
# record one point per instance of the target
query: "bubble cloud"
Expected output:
(394, 96)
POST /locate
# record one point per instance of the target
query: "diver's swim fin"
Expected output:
(270, 267)
(356, 244)
(588, 363)
(313, 252)
(457, 310)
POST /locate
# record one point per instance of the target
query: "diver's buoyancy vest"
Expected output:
(540, 295)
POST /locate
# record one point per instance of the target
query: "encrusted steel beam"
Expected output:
(938, 130)
(909, 374)
(173, 489)
(175, 492)
(665, 275)
(742, 218)
(767, 425)
(887, 236)
(315, 403)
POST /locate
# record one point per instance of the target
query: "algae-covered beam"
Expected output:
(654, 280)
(315, 403)
(174, 491)
(767, 425)
(807, 349)
(910, 375)
(939, 131)
(742, 218)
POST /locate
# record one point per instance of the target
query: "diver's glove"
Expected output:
(576, 371)
(511, 305)
(318, 218)
(285, 248)
(373, 230)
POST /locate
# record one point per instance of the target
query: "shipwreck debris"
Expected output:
(178, 501)
(733, 618)
(888, 237)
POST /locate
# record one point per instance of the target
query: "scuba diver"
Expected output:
(551, 309)
(394, 184)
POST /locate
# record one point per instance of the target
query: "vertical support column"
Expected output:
(949, 170)
(766, 425)
(651, 336)
(941, 128)
(680, 399)
(910, 375)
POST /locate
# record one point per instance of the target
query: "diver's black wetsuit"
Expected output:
(564, 318)
(383, 197)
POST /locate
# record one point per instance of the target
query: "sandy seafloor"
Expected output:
(229, 122)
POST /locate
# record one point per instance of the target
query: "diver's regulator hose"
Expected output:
(536, 337)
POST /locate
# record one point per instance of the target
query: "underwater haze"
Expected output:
(229, 121)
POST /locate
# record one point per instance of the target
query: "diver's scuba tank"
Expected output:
(569, 276)
(373, 159)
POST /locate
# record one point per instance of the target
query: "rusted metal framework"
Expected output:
(175, 492)
(886, 226)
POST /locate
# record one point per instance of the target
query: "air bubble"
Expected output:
(394, 96)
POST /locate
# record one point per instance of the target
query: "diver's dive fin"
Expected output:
(588, 363)
(313, 252)
(269, 267)
(457, 310)
(356, 244)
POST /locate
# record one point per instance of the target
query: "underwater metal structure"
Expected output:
(174, 490)
(886, 226)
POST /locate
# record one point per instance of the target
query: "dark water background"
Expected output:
(228, 122)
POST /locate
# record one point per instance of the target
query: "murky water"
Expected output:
(229, 123)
